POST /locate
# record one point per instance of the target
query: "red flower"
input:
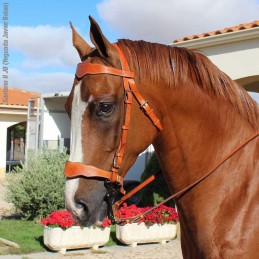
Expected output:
(60, 218)
(159, 215)
(63, 219)
(106, 223)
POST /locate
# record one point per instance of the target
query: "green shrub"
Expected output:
(40, 189)
(156, 191)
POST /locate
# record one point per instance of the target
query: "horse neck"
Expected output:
(199, 130)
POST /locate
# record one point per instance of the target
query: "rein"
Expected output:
(186, 189)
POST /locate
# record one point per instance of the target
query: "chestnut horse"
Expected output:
(204, 115)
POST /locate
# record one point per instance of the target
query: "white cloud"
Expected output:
(43, 46)
(166, 20)
(50, 47)
(41, 82)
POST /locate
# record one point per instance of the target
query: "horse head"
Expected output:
(97, 107)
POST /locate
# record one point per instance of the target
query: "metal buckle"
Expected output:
(143, 105)
(126, 97)
(115, 163)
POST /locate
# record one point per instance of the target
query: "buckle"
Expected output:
(115, 165)
(143, 106)
(126, 94)
(117, 160)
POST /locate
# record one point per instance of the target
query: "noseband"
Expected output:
(76, 169)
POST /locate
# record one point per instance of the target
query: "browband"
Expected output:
(93, 69)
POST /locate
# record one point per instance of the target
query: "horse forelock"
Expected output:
(174, 67)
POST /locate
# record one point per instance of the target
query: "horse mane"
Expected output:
(177, 66)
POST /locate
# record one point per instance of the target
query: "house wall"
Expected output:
(7, 120)
(137, 169)
(55, 122)
(57, 125)
(238, 59)
(236, 54)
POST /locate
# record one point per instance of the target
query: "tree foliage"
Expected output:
(156, 191)
(40, 189)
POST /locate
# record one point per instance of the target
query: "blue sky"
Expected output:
(33, 13)
(43, 59)
(56, 13)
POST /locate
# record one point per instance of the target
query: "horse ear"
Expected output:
(104, 47)
(83, 48)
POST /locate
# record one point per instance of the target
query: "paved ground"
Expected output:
(171, 250)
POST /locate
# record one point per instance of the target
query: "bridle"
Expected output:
(113, 178)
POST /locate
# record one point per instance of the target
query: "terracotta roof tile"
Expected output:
(16, 96)
(239, 27)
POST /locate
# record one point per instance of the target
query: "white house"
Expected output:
(13, 123)
(235, 50)
(50, 128)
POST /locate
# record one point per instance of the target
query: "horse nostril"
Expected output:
(81, 204)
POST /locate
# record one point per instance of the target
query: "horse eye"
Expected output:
(106, 108)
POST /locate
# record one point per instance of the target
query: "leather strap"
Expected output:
(94, 69)
(74, 169)
(144, 106)
(128, 105)
(118, 203)
(142, 102)
(129, 88)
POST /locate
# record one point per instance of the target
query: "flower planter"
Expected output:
(133, 234)
(75, 237)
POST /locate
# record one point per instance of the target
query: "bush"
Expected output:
(40, 189)
(156, 191)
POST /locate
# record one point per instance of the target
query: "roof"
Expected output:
(16, 96)
(244, 26)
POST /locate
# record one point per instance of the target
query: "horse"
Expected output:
(191, 112)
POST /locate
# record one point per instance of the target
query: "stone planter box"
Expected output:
(133, 234)
(57, 239)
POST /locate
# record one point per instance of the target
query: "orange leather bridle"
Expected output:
(76, 169)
